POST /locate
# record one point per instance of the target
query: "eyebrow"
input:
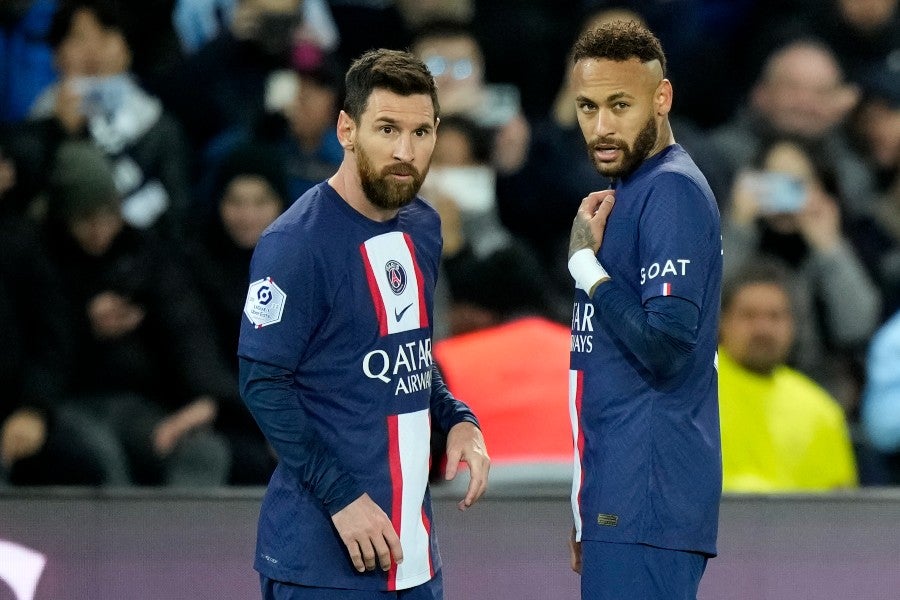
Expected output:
(395, 123)
(610, 98)
(618, 96)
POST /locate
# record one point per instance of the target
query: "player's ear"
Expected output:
(345, 128)
(663, 98)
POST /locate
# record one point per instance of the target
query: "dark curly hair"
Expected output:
(620, 41)
(394, 70)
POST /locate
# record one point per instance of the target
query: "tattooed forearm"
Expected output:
(581, 236)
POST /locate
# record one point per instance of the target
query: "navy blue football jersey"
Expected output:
(345, 304)
(647, 456)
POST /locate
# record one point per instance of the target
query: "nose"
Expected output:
(403, 149)
(603, 126)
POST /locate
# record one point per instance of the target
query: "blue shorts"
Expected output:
(279, 590)
(612, 571)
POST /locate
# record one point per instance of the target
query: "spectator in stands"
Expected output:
(878, 120)
(26, 61)
(145, 364)
(781, 432)
(454, 57)
(881, 399)
(41, 442)
(788, 210)
(491, 275)
(297, 129)
(98, 99)
(877, 125)
(251, 194)
(862, 33)
(228, 82)
(801, 93)
(200, 21)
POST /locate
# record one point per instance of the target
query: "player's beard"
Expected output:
(380, 189)
(632, 156)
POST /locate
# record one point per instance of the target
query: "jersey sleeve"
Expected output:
(446, 410)
(285, 301)
(679, 240)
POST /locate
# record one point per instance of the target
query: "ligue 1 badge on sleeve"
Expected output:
(265, 303)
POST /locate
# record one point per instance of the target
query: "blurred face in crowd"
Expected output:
(96, 232)
(89, 49)
(867, 15)
(248, 207)
(271, 24)
(790, 159)
(458, 69)
(393, 143)
(802, 91)
(620, 106)
(453, 149)
(879, 123)
(313, 110)
(757, 327)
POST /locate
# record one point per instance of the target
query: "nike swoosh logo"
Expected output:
(399, 315)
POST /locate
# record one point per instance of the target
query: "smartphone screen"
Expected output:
(777, 192)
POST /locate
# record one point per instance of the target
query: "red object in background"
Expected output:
(514, 377)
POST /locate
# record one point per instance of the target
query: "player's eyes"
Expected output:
(387, 129)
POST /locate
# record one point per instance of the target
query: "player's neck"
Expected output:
(664, 139)
(347, 184)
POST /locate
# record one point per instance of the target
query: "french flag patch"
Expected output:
(666, 289)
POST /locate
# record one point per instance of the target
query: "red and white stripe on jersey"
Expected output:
(401, 311)
(409, 449)
(666, 289)
(576, 390)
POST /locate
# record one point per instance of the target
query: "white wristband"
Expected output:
(586, 270)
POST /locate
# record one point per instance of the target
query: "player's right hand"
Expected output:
(590, 221)
(574, 553)
(368, 534)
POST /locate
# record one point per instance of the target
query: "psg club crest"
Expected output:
(396, 276)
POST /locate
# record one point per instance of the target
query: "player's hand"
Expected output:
(590, 221)
(466, 444)
(574, 553)
(368, 534)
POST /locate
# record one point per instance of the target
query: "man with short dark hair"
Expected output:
(642, 384)
(336, 362)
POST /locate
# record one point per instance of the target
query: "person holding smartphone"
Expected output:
(786, 209)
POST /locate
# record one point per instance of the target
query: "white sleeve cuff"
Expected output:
(586, 270)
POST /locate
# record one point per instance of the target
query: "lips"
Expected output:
(606, 152)
(402, 171)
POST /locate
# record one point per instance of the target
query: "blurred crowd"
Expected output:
(145, 146)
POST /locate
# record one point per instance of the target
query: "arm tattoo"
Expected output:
(581, 237)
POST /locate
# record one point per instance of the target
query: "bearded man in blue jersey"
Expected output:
(647, 262)
(336, 363)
